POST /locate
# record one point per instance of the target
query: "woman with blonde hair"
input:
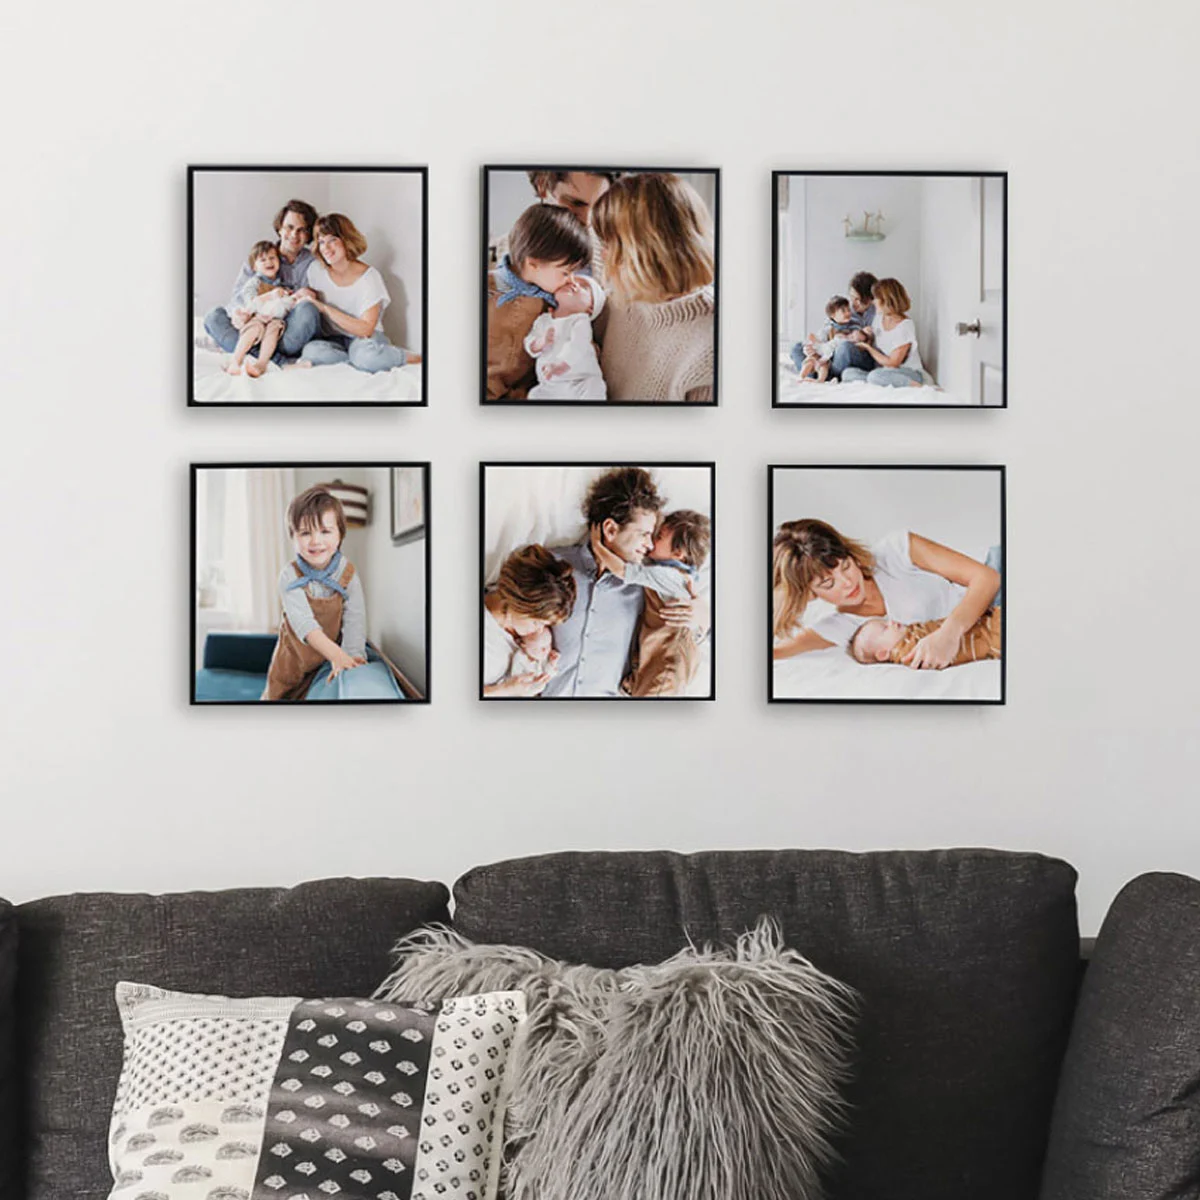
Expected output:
(895, 340)
(659, 267)
(350, 297)
(534, 590)
(903, 576)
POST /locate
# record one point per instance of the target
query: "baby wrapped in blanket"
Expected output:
(882, 640)
(561, 344)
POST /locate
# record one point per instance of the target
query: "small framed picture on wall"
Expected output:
(890, 289)
(596, 581)
(307, 285)
(599, 285)
(300, 589)
(886, 584)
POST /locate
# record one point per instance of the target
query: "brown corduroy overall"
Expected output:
(294, 662)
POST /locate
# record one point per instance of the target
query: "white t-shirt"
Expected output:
(499, 646)
(354, 299)
(888, 340)
(909, 593)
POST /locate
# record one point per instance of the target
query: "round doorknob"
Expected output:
(962, 329)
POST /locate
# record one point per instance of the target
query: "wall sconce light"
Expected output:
(871, 229)
(356, 501)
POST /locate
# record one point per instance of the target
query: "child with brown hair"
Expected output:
(324, 613)
(546, 247)
(818, 350)
(259, 309)
(666, 657)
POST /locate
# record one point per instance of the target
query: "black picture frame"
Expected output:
(485, 175)
(422, 696)
(1001, 474)
(778, 175)
(358, 168)
(711, 467)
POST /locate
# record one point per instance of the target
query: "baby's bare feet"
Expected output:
(234, 368)
(412, 358)
(256, 368)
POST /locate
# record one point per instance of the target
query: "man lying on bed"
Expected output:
(293, 225)
(594, 642)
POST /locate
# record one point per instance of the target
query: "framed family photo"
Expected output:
(300, 592)
(596, 581)
(886, 584)
(889, 289)
(599, 285)
(307, 285)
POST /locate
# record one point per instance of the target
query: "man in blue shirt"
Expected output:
(293, 226)
(622, 509)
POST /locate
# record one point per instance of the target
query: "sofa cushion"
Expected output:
(965, 962)
(324, 938)
(279, 1096)
(1127, 1120)
(10, 1098)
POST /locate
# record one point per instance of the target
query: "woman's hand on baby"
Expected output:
(305, 293)
(524, 685)
(934, 651)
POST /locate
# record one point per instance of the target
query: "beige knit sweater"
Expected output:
(660, 352)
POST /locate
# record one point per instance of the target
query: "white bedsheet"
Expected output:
(338, 383)
(794, 390)
(833, 675)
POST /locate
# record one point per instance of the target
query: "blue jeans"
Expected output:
(995, 560)
(371, 354)
(884, 376)
(298, 328)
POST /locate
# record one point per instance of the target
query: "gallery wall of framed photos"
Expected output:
(490, 326)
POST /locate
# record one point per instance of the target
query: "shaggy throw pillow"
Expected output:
(224, 1099)
(715, 1073)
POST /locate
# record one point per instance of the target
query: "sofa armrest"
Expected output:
(250, 652)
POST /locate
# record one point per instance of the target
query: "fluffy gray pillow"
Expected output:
(715, 1073)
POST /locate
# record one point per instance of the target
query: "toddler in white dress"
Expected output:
(568, 367)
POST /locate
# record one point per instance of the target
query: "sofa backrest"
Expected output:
(330, 937)
(966, 962)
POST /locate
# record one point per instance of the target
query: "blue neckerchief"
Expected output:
(271, 283)
(310, 574)
(519, 287)
(690, 571)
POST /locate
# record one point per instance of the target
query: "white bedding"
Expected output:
(794, 390)
(339, 383)
(833, 675)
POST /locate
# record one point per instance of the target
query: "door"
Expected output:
(984, 327)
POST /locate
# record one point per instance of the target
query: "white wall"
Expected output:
(234, 209)
(104, 766)
(947, 289)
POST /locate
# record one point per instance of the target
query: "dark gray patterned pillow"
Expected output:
(224, 1099)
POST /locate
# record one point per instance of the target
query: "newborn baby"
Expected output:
(535, 654)
(561, 341)
(880, 640)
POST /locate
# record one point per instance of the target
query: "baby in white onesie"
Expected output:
(568, 367)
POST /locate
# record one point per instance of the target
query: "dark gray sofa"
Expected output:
(983, 1070)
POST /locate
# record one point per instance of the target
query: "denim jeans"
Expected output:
(995, 560)
(371, 354)
(884, 376)
(299, 326)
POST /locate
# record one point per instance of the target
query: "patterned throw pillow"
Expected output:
(289, 1099)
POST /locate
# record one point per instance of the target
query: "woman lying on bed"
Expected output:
(903, 576)
(534, 591)
(350, 297)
